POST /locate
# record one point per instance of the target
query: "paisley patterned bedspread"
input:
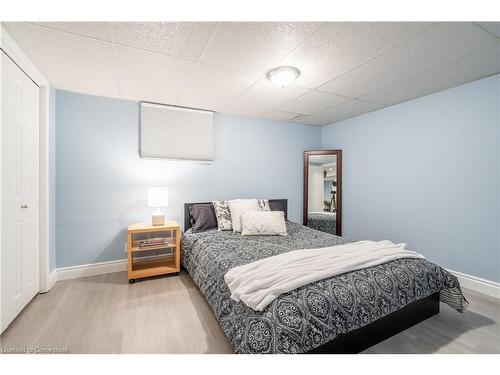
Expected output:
(324, 222)
(312, 315)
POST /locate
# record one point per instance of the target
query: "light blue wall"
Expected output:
(52, 180)
(102, 182)
(426, 172)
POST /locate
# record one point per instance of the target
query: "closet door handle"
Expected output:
(25, 206)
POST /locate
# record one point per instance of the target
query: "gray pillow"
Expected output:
(203, 216)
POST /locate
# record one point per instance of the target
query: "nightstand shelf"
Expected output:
(153, 260)
(136, 249)
(154, 266)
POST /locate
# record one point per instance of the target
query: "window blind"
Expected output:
(176, 133)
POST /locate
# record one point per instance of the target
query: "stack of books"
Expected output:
(153, 242)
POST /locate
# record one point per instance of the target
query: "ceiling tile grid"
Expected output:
(281, 115)
(95, 30)
(339, 46)
(150, 76)
(69, 61)
(313, 101)
(466, 69)
(341, 112)
(346, 68)
(179, 39)
(492, 27)
(254, 47)
(263, 97)
(440, 44)
(213, 88)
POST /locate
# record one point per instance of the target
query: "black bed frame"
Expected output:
(381, 329)
(373, 333)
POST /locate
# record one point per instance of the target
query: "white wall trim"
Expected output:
(474, 283)
(44, 179)
(10, 47)
(478, 284)
(86, 270)
(52, 280)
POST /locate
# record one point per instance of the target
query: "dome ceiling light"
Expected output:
(282, 76)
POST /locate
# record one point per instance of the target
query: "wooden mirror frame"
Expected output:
(338, 153)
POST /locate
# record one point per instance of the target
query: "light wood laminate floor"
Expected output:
(104, 314)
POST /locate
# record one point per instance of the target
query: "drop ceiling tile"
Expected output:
(492, 27)
(263, 97)
(400, 61)
(282, 116)
(466, 69)
(96, 30)
(69, 62)
(340, 112)
(180, 39)
(340, 46)
(254, 47)
(150, 76)
(214, 88)
(312, 102)
(442, 43)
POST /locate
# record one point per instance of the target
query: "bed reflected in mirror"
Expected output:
(323, 190)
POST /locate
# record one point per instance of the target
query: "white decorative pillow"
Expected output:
(223, 215)
(263, 223)
(237, 207)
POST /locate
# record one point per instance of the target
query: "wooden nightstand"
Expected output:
(153, 250)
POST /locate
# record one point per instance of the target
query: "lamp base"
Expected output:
(158, 219)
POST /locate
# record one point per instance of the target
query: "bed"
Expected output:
(342, 314)
(323, 221)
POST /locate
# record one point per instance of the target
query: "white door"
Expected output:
(19, 191)
(315, 189)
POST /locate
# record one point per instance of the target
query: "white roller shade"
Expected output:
(176, 133)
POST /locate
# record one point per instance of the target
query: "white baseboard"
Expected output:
(478, 284)
(52, 280)
(86, 270)
(474, 283)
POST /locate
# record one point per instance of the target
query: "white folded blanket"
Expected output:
(259, 283)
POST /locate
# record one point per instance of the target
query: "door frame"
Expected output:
(9, 47)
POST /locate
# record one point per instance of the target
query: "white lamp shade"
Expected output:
(158, 197)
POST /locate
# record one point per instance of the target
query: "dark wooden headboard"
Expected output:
(187, 215)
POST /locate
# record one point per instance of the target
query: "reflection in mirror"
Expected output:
(322, 201)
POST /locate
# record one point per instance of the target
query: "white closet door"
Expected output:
(19, 190)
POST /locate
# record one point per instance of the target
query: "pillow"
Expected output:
(203, 217)
(223, 215)
(264, 204)
(263, 223)
(237, 207)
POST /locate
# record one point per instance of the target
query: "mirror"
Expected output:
(323, 190)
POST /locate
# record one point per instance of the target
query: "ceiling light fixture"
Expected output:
(282, 76)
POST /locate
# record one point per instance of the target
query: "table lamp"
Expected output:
(158, 198)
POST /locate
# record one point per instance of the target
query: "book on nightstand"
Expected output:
(150, 242)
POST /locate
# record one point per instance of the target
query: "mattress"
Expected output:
(307, 317)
